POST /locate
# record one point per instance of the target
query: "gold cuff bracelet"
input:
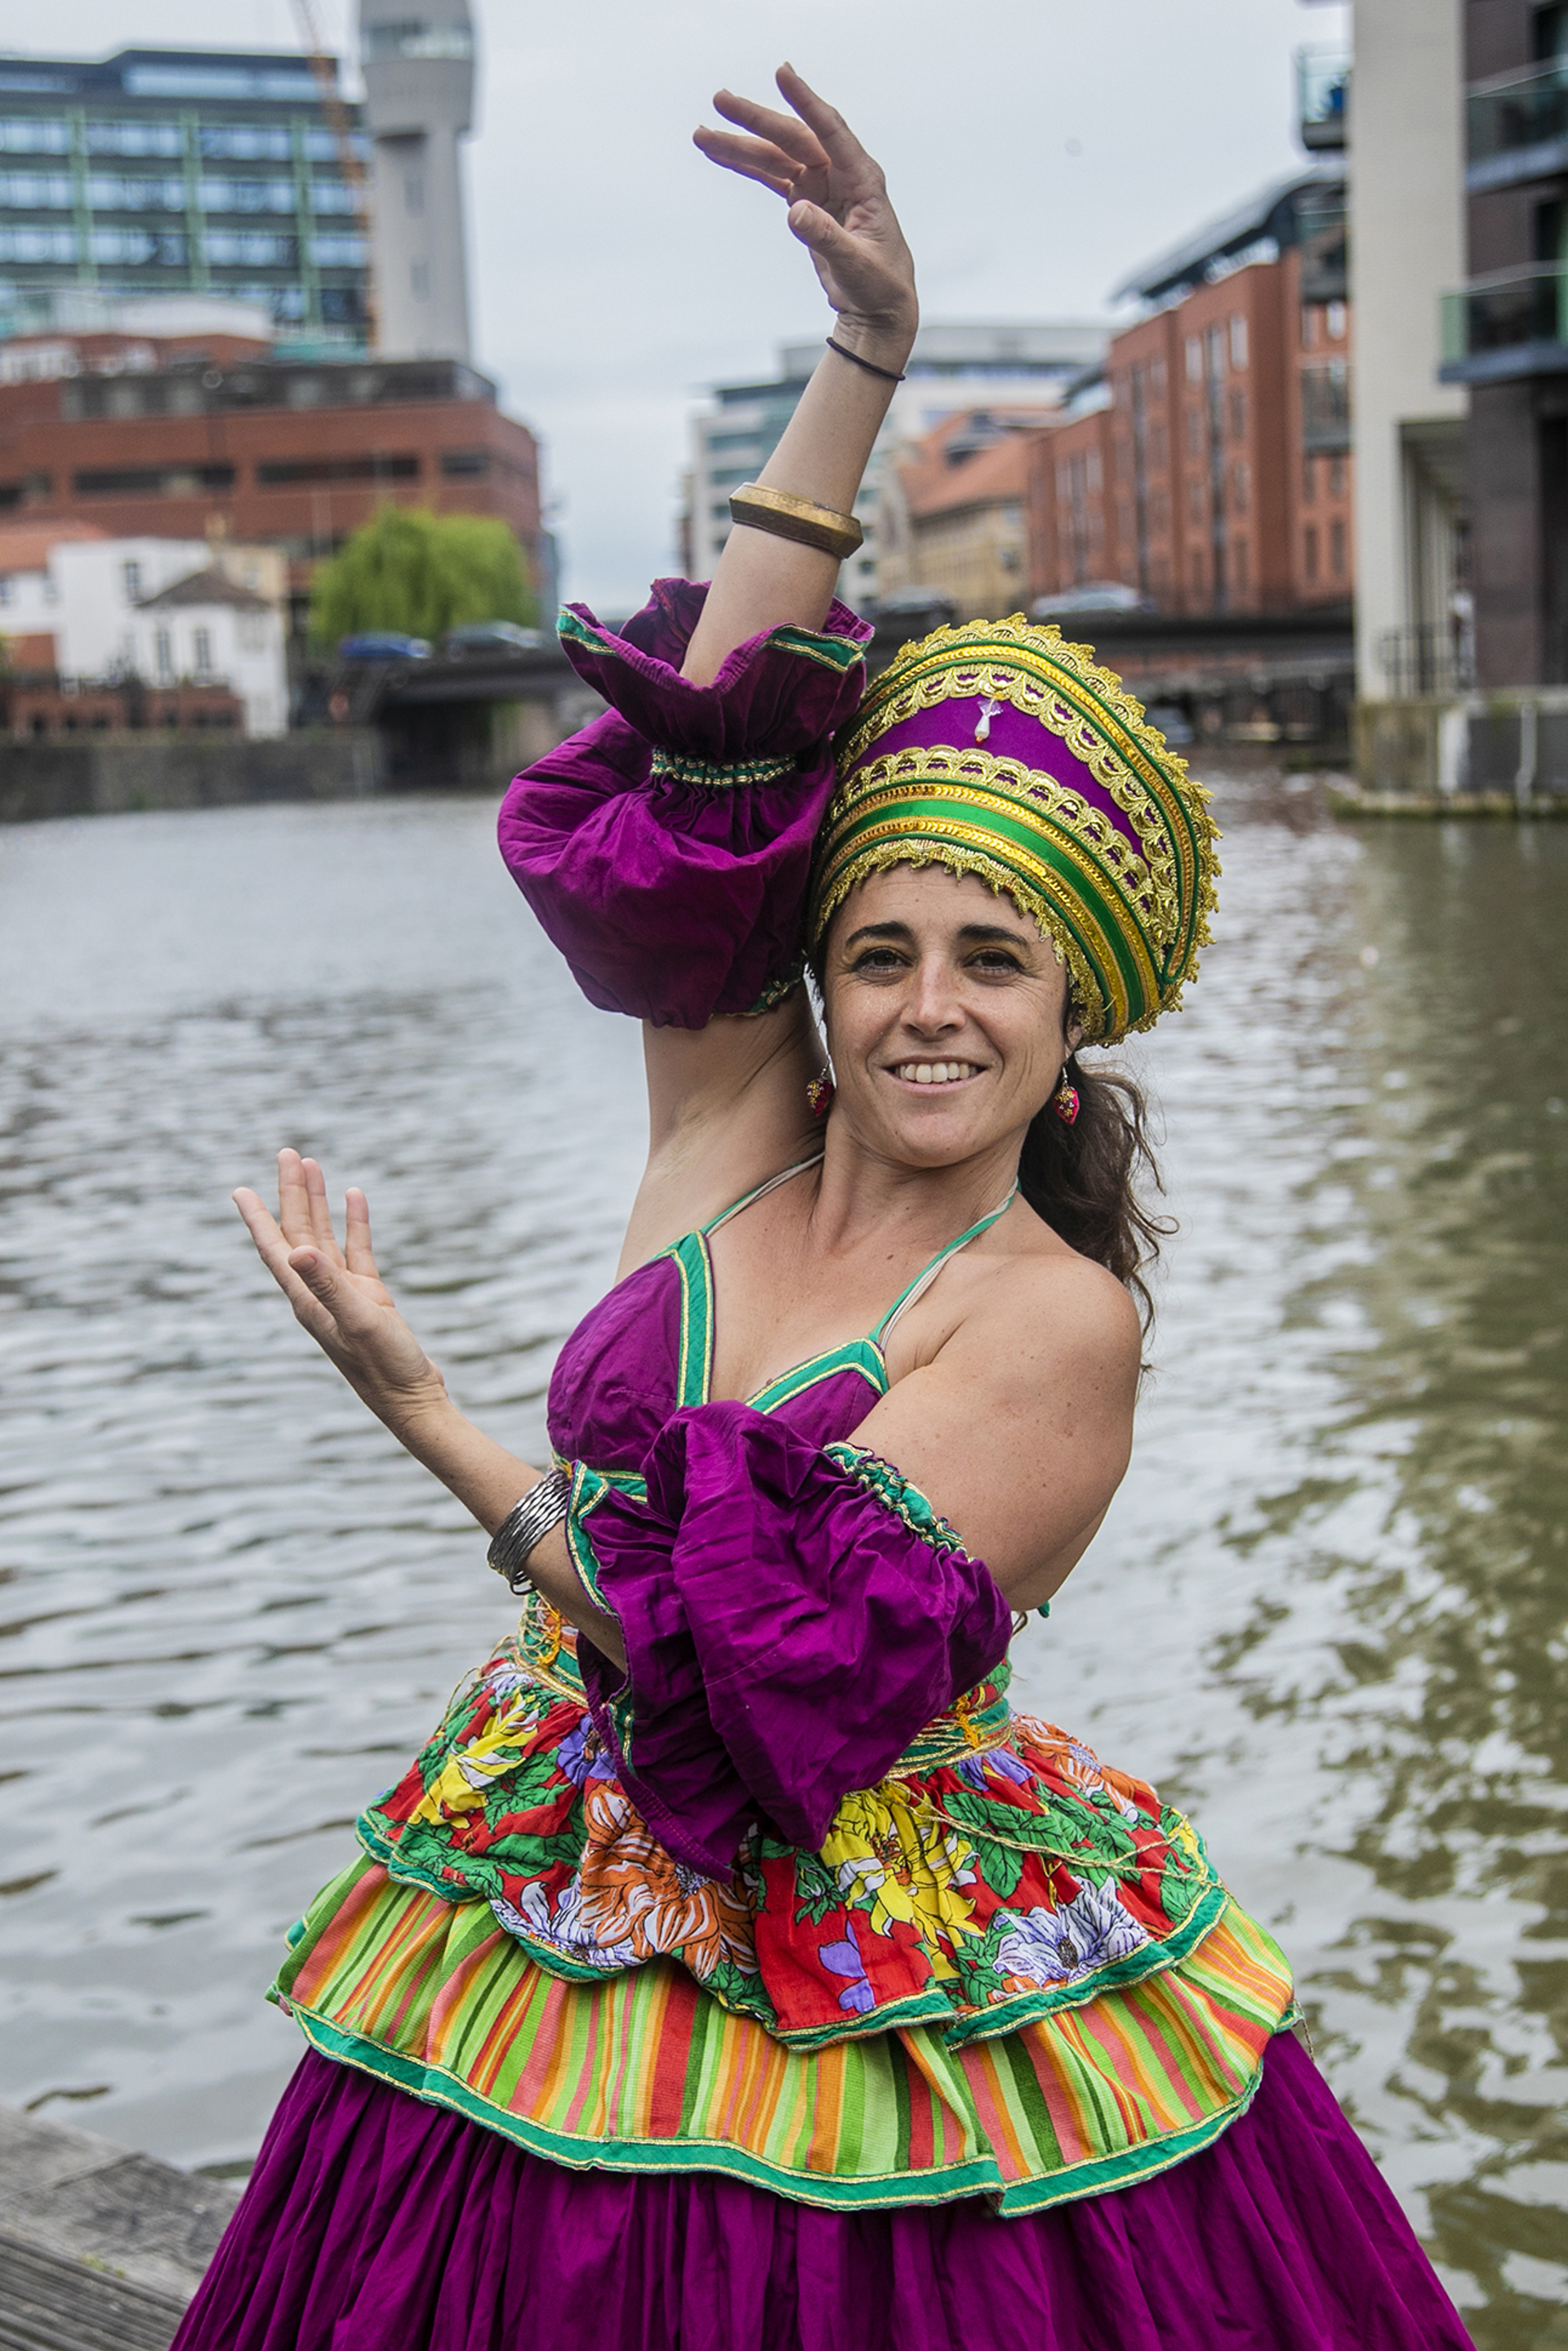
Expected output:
(791, 518)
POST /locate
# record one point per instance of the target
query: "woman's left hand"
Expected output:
(837, 199)
(339, 1295)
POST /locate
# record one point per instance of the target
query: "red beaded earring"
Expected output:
(820, 1094)
(1064, 1101)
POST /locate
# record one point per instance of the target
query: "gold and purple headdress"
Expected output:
(998, 749)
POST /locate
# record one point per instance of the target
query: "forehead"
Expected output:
(931, 899)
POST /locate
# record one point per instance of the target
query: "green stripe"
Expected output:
(1034, 839)
(863, 1355)
(691, 1256)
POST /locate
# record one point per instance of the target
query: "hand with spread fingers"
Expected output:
(337, 1292)
(838, 206)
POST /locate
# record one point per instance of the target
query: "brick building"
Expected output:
(952, 514)
(212, 438)
(1216, 478)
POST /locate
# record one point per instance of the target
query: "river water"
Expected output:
(1329, 1611)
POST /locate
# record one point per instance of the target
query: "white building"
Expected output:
(1028, 363)
(163, 609)
(1406, 250)
(419, 103)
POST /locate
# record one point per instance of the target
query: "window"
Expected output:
(341, 251)
(1092, 473)
(1159, 448)
(279, 473)
(1215, 338)
(201, 651)
(414, 192)
(5, 587)
(333, 196)
(131, 574)
(412, 37)
(250, 249)
(1238, 416)
(133, 138)
(147, 193)
(164, 654)
(244, 195)
(248, 143)
(1156, 375)
(37, 245)
(1310, 551)
(1238, 341)
(149, 481)
(1195, 359)
(1309, 326)
(33, 192)
(1309, 481)
(1195, 432)
(465, 464)
(24, 138)
(1336, 478)
(1242, 484)
(1239, 579)
(144, 247)
(1337, 319)
(1337, 548)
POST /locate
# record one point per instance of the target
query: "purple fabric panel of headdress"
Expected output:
(674, 901)
(1013, 734)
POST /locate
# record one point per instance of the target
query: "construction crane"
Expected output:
(323, 66)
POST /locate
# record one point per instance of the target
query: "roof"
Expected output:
(935, 481)
(208, 587)
(1272, 212)
(25, 547)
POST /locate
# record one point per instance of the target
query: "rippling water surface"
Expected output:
(231, 1607)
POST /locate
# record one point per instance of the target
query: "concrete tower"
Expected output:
(419, 102)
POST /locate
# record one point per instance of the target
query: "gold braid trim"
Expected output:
(1147, 883)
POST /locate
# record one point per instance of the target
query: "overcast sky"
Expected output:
(1036, 154)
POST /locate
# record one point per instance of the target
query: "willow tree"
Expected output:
(420, 574)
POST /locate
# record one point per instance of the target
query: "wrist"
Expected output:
(885, 341)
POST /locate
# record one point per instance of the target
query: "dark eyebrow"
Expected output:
(971, 934)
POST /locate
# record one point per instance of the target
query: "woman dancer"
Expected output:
(733, 1969)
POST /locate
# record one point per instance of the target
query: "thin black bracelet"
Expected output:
(870, 366)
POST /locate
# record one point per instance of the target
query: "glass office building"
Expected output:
(181, 171)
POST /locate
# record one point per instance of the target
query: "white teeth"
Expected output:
(935, 1073)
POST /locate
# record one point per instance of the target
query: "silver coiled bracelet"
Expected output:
(543, 1506)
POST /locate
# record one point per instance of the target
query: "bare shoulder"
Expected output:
(1037, 1314)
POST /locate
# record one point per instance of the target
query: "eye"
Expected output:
(878, 959)
(996, 959)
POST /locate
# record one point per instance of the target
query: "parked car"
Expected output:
(1094, 596)
(490, 637)
(382, 645)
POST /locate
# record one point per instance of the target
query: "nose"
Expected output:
(932, 1009)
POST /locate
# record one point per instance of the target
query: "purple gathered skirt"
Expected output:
(374, 2222)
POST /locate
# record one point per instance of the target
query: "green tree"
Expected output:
(420, 573)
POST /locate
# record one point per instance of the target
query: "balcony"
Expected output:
(1321, 232)
(1325, 410)
(1507, 325)
(1322, 97)
(1518, 126)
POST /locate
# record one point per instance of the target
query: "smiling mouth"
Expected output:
(935, 1073)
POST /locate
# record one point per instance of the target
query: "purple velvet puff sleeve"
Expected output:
(793, 1617)
(666, 849)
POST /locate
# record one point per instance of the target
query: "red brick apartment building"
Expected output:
(174, 441)
(1217, 478)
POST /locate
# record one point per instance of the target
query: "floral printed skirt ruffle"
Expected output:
(1007, 1971)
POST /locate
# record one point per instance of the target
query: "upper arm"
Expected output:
(727, 1109)
(1020, 1431)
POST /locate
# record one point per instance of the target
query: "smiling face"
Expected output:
(946, 1015)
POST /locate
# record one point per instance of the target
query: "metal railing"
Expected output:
(1326, 408)
(1507, 116)
(1507, 312)
(1322, 96)
(1322, 233)
(1432, 657)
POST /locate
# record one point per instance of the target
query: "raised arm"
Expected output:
(839, 210)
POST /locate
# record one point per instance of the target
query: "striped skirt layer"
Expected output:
(645, 2071)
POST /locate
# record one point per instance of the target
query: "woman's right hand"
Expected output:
(339, 1295)
(838, 206)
